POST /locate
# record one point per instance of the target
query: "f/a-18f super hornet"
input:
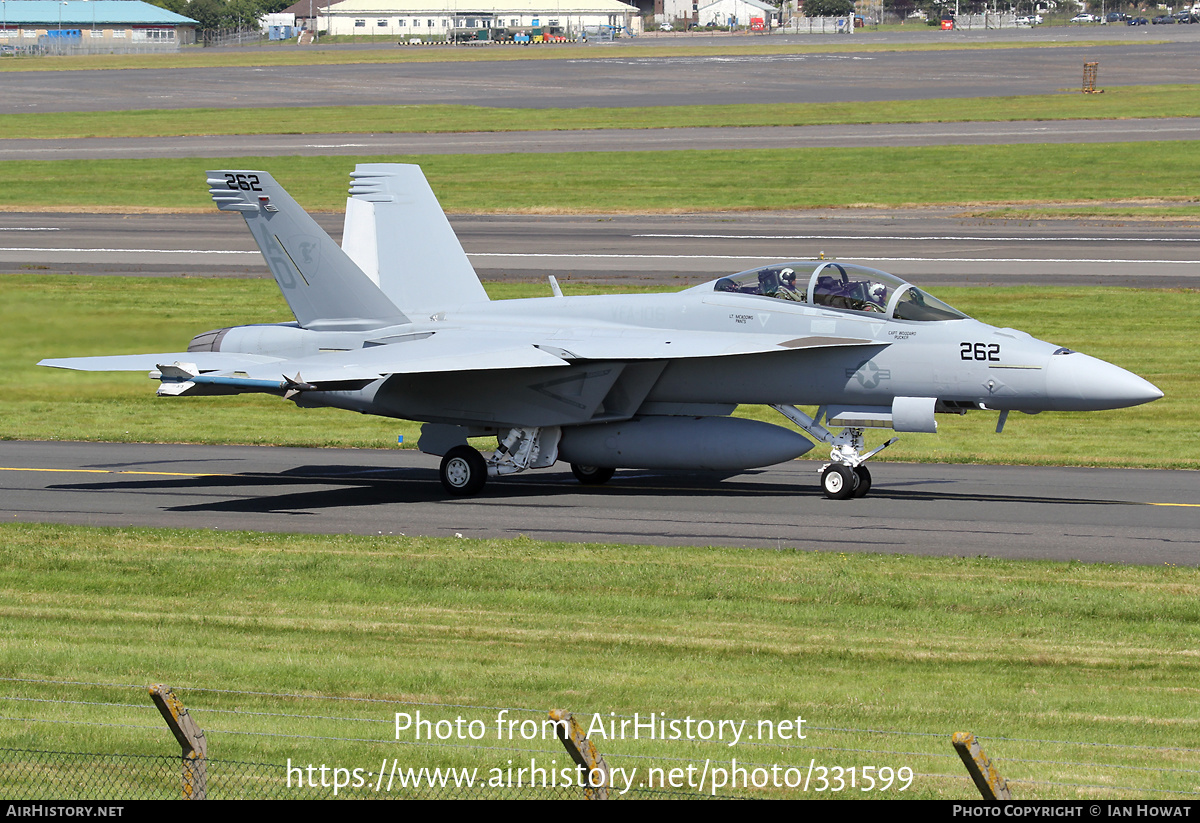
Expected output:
(396, 323)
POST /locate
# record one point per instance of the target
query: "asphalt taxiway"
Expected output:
(594, 78)
(610, 140)
(932, 247)
(1092, 515)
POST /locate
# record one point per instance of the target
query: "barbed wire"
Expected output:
(653, 719)
(1108, 787)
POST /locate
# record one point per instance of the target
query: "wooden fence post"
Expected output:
(989, 782)
(191, 741)
(584, 753)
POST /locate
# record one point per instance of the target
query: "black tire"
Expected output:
(864, 482)
(463, 471)
(592, 475)
(838, 481)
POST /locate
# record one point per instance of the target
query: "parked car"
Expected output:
(1084, 18)
(1163, 20)
(1029, 20)
(1185, 17)
(1116, 17)
(1137, 21)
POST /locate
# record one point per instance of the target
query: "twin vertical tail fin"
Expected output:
(323, 286)
(398, 234)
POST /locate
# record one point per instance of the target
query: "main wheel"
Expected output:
(463, 471)
(838, 481)
(592, 475)
(864, 481)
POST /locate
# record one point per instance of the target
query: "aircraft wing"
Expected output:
(441, 352)
(204, 361)
(456, 350)
(665, 344)
(450, 351)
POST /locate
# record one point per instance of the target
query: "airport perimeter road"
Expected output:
(619, 81)
(542, 142)
(931, 246)
(1094, 515)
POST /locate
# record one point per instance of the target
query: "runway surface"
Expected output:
(595, 80)
(544, 142)
(1093, 515)
(932, 247)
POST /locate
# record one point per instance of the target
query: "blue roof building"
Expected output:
(106, 24)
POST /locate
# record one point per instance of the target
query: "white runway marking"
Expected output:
(927, 237)
(565, 256)
(130, 251)
(875, 259)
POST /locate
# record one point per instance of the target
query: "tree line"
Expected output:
(223, 14)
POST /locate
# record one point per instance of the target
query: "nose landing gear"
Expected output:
(844, 476)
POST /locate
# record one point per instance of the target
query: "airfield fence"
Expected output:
(83, 46)
(106, 741)
(839, 25)
(239, 36)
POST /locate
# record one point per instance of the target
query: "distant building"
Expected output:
(102, 24)
(736, 13)
(307, 12)
(437, 19)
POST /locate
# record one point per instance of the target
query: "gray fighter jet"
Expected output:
(395, 323)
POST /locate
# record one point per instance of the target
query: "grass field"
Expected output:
(78, 316)
(1120, 103)
(884, 657)
(671, 181)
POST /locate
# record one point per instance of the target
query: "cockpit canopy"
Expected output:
(840, 286)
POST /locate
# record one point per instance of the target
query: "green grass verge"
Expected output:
(1029, 654)
(1127, 212)
(200, 58)
(61, 316)
(679, 181)
(1124, 102)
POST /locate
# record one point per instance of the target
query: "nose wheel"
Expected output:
(864, 481)
(841, 482)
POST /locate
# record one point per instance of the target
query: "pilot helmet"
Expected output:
(788, 276)
(878, 293)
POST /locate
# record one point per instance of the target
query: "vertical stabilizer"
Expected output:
(324, 288)
(399, 236)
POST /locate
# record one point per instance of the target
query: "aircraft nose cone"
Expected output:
(1076, 382)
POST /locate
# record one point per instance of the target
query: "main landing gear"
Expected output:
(844, 476)
(592, 475)
(464, 470)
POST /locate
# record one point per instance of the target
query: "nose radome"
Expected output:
(1077, 382)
